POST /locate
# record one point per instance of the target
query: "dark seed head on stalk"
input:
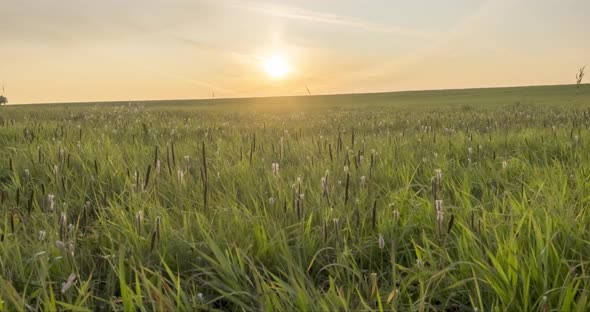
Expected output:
(147, 177)
(346, 187)
(139, 222)
(62, 226)
(374, 215)
(30, 202)
(155, 234)
(451, 223)
(325, 231)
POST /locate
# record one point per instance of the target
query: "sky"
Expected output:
(72, 50)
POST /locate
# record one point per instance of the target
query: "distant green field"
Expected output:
(451, 200)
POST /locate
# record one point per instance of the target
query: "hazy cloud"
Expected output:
(294, 13)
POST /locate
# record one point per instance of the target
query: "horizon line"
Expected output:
(301, 95)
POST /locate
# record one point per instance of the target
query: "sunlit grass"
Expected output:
(182, 207)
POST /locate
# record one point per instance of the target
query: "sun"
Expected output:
(276, 66)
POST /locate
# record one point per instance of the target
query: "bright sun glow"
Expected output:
(276, 67)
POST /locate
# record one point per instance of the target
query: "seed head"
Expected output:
(381, 242)
(68, 284)
(50, 202)
(42, 235)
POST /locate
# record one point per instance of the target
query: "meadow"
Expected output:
(457, 200)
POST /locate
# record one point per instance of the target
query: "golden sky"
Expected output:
(72, 50)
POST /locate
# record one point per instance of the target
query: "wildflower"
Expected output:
(504, 164)
(345, 169)
(381, 242)
(275, 168)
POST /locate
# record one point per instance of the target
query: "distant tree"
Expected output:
(580, 76)
(3, 100)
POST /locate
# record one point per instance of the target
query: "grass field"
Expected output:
(456, 200)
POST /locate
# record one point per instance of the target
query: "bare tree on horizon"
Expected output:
(3, 99)
(580, 76)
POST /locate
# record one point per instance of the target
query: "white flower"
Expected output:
(381, 242)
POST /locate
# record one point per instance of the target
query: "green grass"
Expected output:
(174, 205)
